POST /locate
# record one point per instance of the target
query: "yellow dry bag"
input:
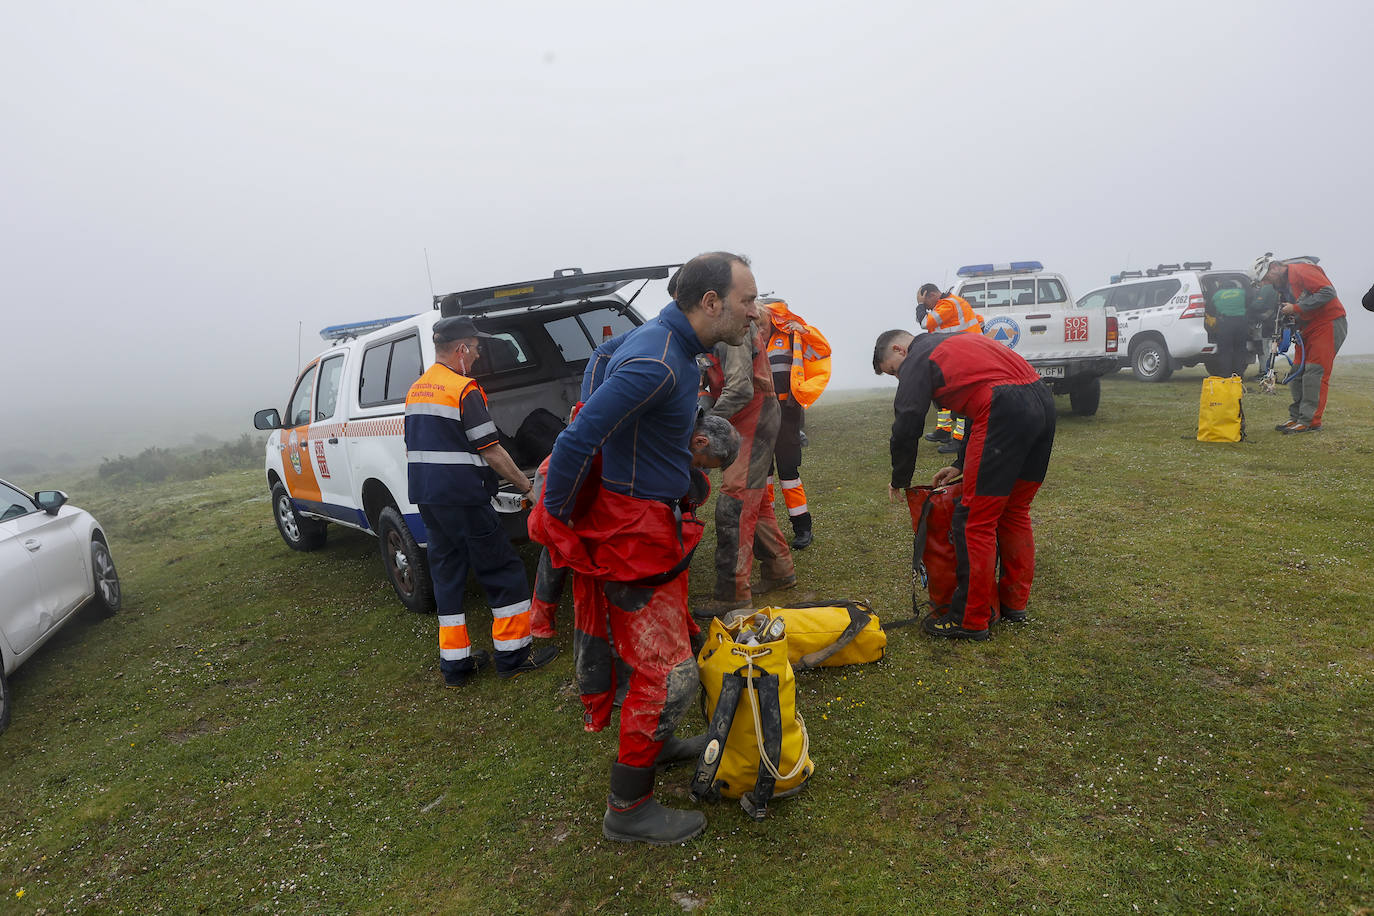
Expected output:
(1220, 417)
(830, 634)
(756, 743)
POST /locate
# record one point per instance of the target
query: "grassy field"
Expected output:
(1183, 726)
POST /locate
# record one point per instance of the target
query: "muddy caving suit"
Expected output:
(1004, 459)
(1321, 318)
(746, 525)
(800, 361)
(953, 313)
(446, 428)
(627, 541)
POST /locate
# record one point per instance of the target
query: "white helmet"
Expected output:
(1261, 267)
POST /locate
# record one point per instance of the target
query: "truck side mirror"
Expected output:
(267, 419)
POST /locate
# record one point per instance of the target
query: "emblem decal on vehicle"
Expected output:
(293, 448)
(1004, 330)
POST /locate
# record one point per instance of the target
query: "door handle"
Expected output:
(32, 544)
(333, 440)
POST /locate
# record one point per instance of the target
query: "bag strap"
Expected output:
(859, 616)
(768, 733)
(703, 780)
(764, 760)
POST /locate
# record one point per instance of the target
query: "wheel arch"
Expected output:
(376, 497)
(1141, 337)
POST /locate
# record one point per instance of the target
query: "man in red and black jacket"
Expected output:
(1003, 462)
(1308, 296)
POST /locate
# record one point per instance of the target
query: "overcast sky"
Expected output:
(183, 185)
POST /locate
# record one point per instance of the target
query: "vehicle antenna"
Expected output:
(428, 274)
(299, 324)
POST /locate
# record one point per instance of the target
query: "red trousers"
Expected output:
(1005, 461)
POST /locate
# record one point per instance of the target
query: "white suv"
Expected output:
(1160, 314)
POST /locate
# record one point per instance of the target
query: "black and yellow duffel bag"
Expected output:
(756, 742)
(831, 633)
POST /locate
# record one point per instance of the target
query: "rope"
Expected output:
(758, 732)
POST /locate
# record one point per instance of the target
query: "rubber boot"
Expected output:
(680, 750)
(633, 816)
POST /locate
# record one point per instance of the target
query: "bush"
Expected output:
(155, 465)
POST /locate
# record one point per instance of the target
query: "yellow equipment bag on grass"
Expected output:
(1220, 417)
(830, 634)
(756, 742)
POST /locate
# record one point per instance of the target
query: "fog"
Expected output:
(188, 186)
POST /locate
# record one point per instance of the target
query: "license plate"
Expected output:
(1050, 371)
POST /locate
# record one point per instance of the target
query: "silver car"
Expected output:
(54, 560)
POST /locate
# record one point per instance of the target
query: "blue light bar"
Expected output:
(988, 270)
(358, 328)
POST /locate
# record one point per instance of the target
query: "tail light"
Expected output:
(1196, 307)
(1111, 334)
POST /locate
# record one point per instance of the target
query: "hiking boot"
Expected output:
(1301, 428)
(1284, 427)
(950, 627)
(773, 585)
(940, 435)
(680, 750)
(479, 659)
(802, 540)
(718, 607)
(949, 448)
(649, 822)
(536, 659)
(1011, 616)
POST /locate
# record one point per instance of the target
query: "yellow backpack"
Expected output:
(830, 634)
(756, 743)
(1220, 417)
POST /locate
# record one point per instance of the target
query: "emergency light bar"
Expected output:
(359, 328)
(989, 270)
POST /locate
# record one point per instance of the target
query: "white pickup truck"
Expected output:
(1032, 312)
(337, 454)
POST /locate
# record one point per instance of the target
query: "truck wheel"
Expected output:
(405, 563)
(1150, 361)
(1083, 399)
(108, 597)
(298, 532)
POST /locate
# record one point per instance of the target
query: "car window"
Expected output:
(501, 352)
(298, 414)
(14, 503)
(1050, 291)
(331, 372)
(999, 292)
(1023, 292)
(578, 335)
(406, 367)
(372, 384)
(1095, 299)
(1160, 292)
(975, 293)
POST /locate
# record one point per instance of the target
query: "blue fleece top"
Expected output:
(640, 418)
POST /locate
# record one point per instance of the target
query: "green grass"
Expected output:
(1184, 725)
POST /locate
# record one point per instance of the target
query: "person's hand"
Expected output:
(892, 494)
(945, 475)
(795, 326)
(1288, 309)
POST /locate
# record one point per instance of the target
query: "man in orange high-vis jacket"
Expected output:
(799, 356)
(453, 453)
(1307, 295)
(946, 312)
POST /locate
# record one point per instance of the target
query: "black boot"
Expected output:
(801, 531)
(680, 750)
(633, 816)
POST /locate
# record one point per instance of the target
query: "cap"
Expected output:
(1261, 266)
(456, 328)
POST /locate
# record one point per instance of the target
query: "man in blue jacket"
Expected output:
(640, 420)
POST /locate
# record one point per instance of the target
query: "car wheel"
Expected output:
(4, 698)
(1150, 361)
(405, 563)
(1084, 398)
(298, 532)
(108, 596)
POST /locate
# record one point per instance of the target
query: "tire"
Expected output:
(108, 595)
(405, 563)
(1084, 398)
(299, 533)
(4, 698)
(1150, 361)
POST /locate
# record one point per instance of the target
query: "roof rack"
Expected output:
(566, 284)
(995, 270)
(338, 332)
